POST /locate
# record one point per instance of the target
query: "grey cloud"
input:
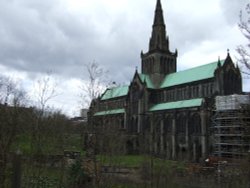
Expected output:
(42, 36)
(37, 36)
(36, 40)
(231, 9)
(189, 29)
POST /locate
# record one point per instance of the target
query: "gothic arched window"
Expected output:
(181, 124)
(194, 125)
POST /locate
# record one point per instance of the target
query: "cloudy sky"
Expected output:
(63, 35)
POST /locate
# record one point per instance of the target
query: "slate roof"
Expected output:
(115, 92)
(177, 104)
(110, 112)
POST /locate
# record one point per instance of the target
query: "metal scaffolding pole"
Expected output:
(231, 130)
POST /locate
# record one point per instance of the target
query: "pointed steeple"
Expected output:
(159, 60)
(228, 58)
(219, 63)
(158, 19)
(158, 40)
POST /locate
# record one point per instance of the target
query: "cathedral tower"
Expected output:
(158, 61)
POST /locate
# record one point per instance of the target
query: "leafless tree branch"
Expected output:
(45, 90)
(243, 50)
(96, 83)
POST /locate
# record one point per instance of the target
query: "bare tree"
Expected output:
(95, 85)
(10, 92)
(244, 50)
(45, 89)
(11, 119)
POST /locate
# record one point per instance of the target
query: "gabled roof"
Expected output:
(115, 92)
(146, 78)
(190, 75)
(176, 105)
(110, 112)
(186, 76)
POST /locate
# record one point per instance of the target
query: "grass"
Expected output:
(29, 169)
(135, 161)
(122, 161)
(23, 143)
(42, 176)
(50, 145)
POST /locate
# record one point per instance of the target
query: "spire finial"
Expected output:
(158, 5)
(158, 20)
(158, 40)
(228, 52)
(219, 63)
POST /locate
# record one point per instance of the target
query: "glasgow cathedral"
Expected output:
(163, 111)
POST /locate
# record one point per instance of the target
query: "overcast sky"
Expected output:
(63, 35)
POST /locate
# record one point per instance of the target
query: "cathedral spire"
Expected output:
(158, 19)
(158, 40)
(159, 60)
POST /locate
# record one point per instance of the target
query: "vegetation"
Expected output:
(244, 50)
(95, 85)
(33, 139)
(135, 161)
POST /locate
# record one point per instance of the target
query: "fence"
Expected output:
(37, 171)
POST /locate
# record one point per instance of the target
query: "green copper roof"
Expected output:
(190, 75)
(146, 78)
(109, 112)
(176, 105)
(115, 92)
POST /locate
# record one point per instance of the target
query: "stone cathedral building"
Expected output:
(164, 111)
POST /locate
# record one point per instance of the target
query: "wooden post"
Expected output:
(16, 178)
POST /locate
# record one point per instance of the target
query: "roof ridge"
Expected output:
(190, 75)
(222, 61)
(114, 92)
(117, 87)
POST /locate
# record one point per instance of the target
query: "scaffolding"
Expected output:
(231, 126)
